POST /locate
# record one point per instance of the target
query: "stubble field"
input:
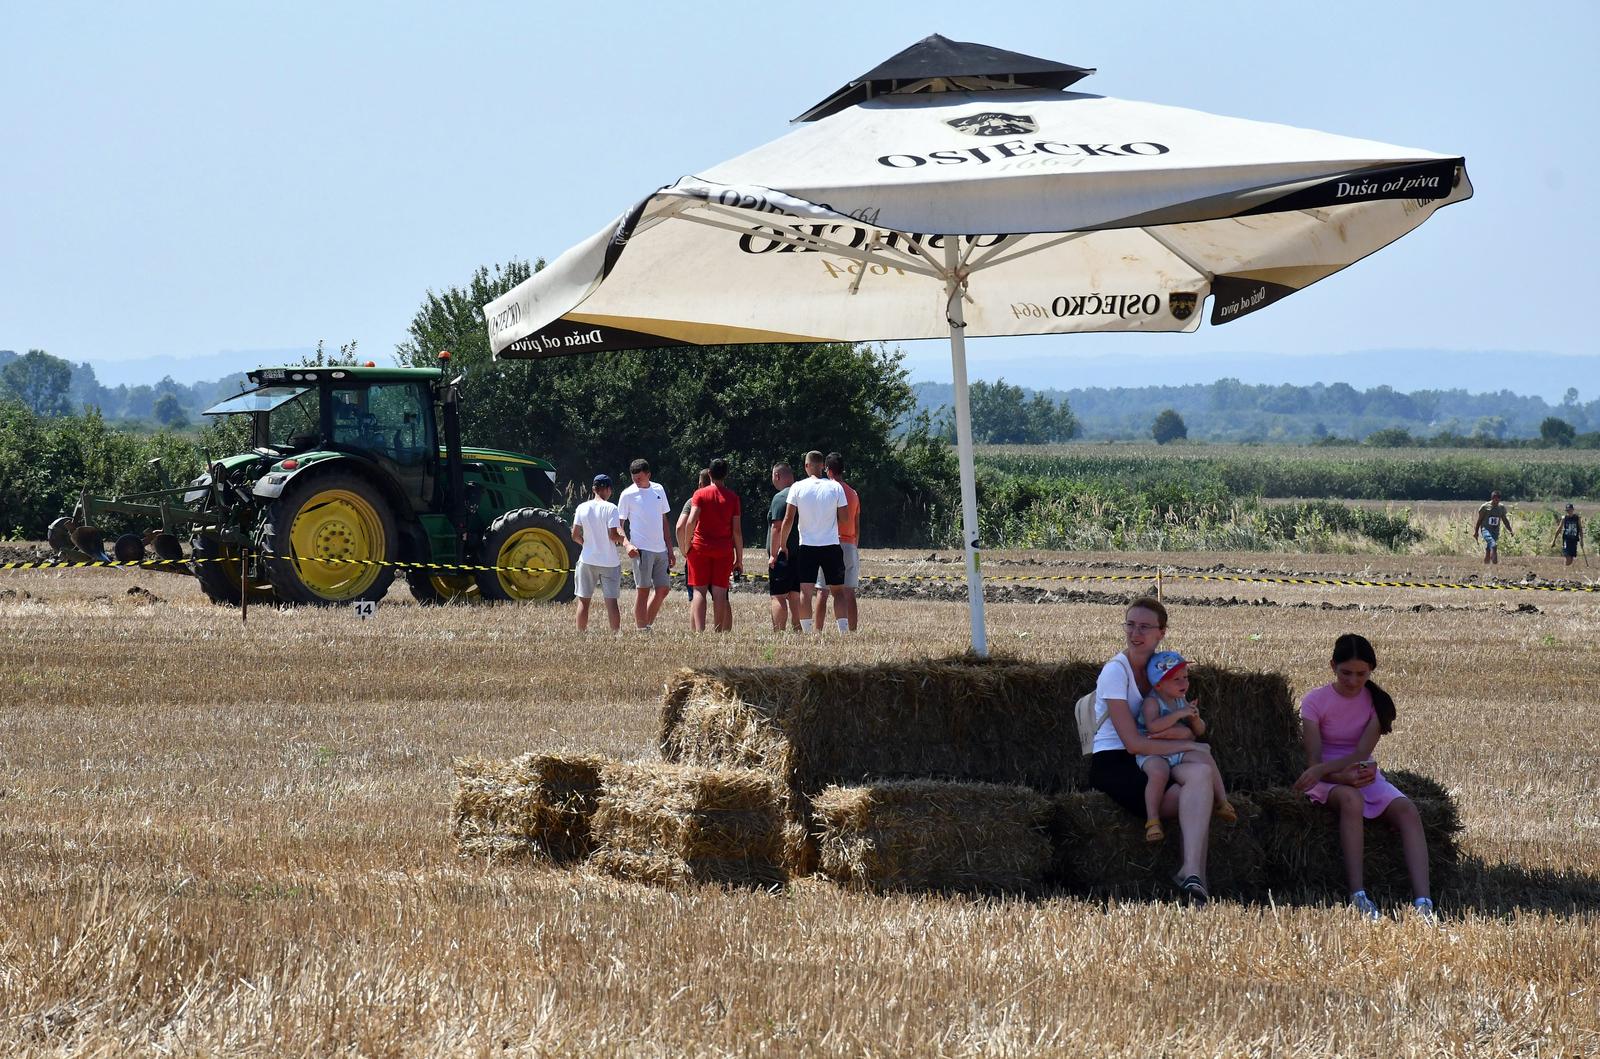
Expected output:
(217, 840)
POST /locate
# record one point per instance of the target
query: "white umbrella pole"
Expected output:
(969, 489)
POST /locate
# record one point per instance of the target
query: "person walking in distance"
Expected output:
(716, 549)
(595, 527)
(1569, 531)
(849, 541)
(814, 505)
(647, 520)
(783, 584)
(1492, 518)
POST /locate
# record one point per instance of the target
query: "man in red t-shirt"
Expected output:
(716, 548)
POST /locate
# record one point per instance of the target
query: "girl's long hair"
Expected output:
(1354, 646)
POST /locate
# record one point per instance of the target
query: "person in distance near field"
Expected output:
(595, 527)
(1492, 519)
(1569, 531)
(849, 543)
(783, 584)
(814, 505)
(716, 548)
(647, 516)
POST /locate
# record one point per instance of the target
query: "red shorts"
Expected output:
(708, 569)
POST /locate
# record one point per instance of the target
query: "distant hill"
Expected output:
(151, 370)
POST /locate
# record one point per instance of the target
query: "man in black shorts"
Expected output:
(783, 584)
(814, 506)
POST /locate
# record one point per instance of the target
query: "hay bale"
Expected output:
(538, 804)
(962, 718)
(665, 823)
(1100, 849)
(981, 720)
(1300, 843)
(931, 835)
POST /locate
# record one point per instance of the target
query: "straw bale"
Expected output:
(666, 823)
(535, 804)
(932, 835)
(1300, 842)
(960, 718)
(1100, 849)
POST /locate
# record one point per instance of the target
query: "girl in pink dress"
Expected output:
(1341, 725)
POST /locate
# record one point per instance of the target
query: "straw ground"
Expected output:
(226, 841)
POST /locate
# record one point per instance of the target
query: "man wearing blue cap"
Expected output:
(597, 528)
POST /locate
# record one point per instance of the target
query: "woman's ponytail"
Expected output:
(1383, 705)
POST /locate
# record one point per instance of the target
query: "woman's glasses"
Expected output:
(1139, 626)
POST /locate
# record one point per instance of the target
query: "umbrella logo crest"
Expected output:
(1182, 304)
(994, 123)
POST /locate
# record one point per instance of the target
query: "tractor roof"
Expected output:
(342, 372)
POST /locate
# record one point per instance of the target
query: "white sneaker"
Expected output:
(1365, 906)
(1422, 908)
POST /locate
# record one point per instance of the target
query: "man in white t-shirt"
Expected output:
(596, 527)
(647, 536)
(815, 504)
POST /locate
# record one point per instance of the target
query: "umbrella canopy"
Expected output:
(958, 190)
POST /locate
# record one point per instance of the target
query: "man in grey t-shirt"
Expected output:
(1492, 519)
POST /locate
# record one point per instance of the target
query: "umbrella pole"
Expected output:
(969, 492)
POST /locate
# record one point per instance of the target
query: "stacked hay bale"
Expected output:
(677, 823)
(538, 804)
(933, 835)
(1100, 849)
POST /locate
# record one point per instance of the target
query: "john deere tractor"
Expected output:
(352, 469)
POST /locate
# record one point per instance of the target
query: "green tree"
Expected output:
(1556, 431)
(681, 407)
(1390, 438)
(39, 381)
(169, 412)
(1169, 426)
(1004, 415)
(1490, 427)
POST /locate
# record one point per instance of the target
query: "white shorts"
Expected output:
(852, 567)
(650, 570)
(607, 578)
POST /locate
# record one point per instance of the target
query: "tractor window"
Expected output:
(386, 418)
(293, 424)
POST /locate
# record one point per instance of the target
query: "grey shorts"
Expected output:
(607, 578)
(650, 570)
(852, 567)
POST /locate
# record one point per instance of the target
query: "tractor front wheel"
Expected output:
(535, 556)
(329, 539)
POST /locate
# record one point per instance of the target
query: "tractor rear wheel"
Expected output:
(528, 537)
(216, 566)
(431, 589)
(330, 538)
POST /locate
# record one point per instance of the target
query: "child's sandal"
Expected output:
(1225, 812)
(1153, 831)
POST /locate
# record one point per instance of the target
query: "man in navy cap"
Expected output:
(597, 528)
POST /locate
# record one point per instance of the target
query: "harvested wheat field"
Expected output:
(218, 840)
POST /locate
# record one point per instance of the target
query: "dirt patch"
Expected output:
(7, 594)
(143, 597)
(24, 551)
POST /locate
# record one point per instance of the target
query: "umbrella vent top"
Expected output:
(939, 64)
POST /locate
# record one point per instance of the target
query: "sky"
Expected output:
(181, 179)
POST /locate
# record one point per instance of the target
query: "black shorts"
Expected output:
(1569, 547)
(1117, 774)
(829, 558)
(782, 579)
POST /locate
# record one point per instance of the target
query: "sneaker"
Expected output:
(1422, 908)
(1365, 905)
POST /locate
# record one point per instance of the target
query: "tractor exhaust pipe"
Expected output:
(455, 488)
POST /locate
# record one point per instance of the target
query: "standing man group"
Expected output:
(713, 542)
(1492, 519)
(647, 516)
(813, 506)
(595, 527)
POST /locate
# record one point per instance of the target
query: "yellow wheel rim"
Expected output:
(233, 570)
(453, 587)
(533, 547)
(338, 525)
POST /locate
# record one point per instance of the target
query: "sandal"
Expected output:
(1153, 831)
(1193, 889)
(1225, 812)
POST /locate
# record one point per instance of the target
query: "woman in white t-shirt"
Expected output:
(1119, 693)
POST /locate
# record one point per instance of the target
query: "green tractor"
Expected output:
(349, 466)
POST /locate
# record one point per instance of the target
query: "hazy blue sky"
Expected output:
(182, 179)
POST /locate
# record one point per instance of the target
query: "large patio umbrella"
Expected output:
(959, 190)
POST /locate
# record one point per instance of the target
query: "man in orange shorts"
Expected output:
(716, 548)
